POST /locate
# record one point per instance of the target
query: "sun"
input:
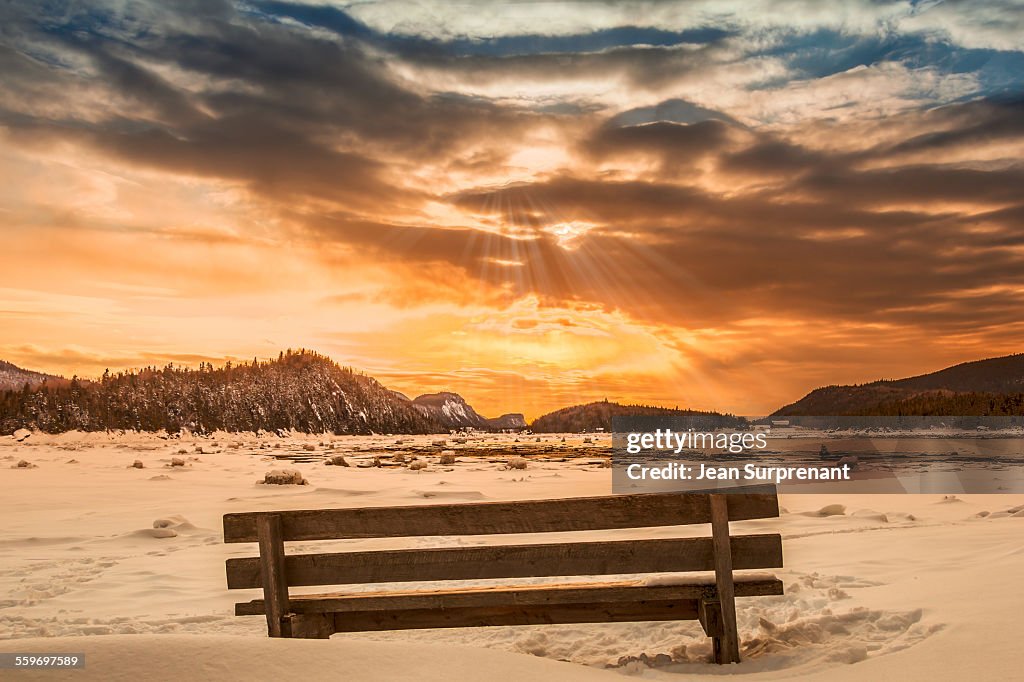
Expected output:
(569, 235)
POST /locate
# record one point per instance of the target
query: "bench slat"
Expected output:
(489, 616)
(512, 561)
(530, 516)
(525, 595)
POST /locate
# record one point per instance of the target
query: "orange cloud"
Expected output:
(720, 213)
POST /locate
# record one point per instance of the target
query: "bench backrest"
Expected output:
(503, 561)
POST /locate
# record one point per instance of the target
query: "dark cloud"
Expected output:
(771, 158)
(977, 122)
(266, 104)
(671, 111)
(342, 23)
(917, 184)
(677, 145)
(669, 250)
(643, 67)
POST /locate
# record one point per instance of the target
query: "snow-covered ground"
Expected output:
(894, 587)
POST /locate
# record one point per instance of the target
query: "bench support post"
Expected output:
(308, 625)
(275, 585)
(727, 645)
(709, 613)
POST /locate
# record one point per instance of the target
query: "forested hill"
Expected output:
(300, 390)
(983, 387)
(598, 415)
(12, 376)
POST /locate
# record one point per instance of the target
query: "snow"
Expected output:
(181, 657)
(656, 579)
(127, 566)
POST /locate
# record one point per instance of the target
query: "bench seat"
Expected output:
(321, 615)
(525, 595)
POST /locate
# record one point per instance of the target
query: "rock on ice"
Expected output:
(284, 477)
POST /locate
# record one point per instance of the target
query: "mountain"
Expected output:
(983, 387)
(598, 415)
(300, 390)
(513, 421)
(995, 375)
(449, 409)
(14, 377)
(452, 410)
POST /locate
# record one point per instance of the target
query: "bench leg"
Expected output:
(709, 613)
(308, 625)
(275, 585)
(729, 649)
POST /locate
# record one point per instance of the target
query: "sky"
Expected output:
(719, 205)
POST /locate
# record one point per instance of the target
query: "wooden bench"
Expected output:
(582, 601)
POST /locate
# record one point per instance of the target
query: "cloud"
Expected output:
(728, 187)
(260, 108)
(677, 146)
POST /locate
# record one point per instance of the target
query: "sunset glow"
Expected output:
(711, 205)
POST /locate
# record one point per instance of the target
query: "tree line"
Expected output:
(300, 390)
